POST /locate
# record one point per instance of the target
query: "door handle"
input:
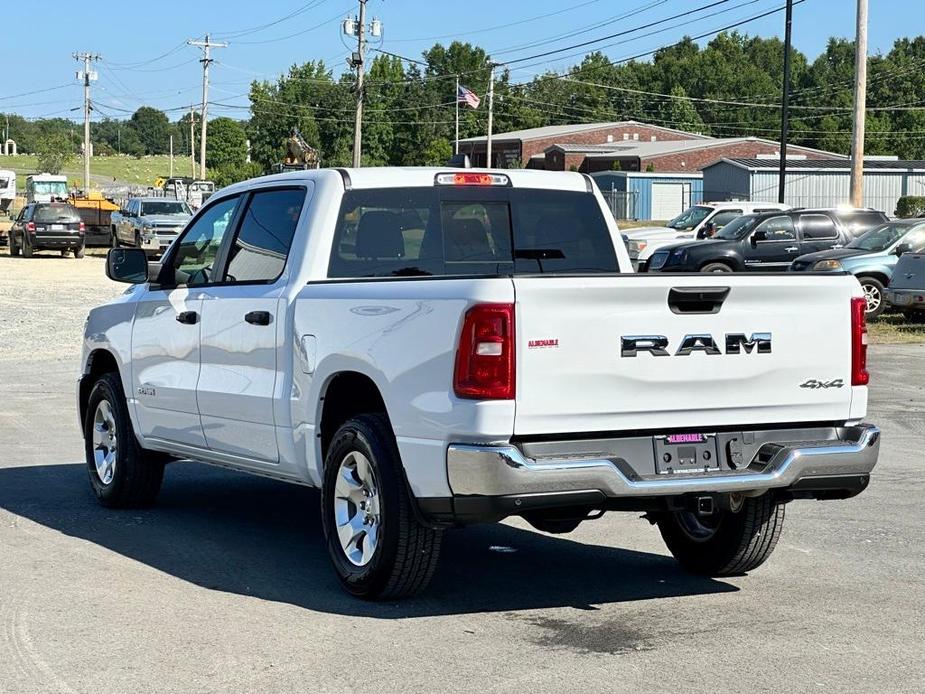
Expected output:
(187, 317)
(258, 317)
(791, 249)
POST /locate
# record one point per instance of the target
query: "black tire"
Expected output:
(716, 267)
(734, 542)
(113, 239)
(873, 292)
(137, 239)
(27, 250)
(81, 250)
(64, 252)
(406, 552)
(14, 249)
(138, 474)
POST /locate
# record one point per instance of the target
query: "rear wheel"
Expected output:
(725, 542)
(80, 251)
(14, 249)
(378, 547)
(716, 267)
(122, 473)
(27, 250)
(113, 239)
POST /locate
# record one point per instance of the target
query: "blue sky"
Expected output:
(130, 34)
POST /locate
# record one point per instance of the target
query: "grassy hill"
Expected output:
(105, 170)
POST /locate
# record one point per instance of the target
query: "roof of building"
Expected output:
(560, 130)
(824, 164)
(648, 150)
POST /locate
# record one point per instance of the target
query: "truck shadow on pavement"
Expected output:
(251, 536)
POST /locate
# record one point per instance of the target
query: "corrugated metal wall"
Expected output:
(813, 188)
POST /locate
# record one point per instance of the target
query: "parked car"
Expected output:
(698, 222)
(438, 347)
(767, 242)
(47, 226)
(870, 257)
(150, 223)
(906, 290)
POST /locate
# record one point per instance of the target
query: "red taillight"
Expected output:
(30, 226)
(485, 357)
(82, 227)
(859, 374)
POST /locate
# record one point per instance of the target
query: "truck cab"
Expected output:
(46, 188)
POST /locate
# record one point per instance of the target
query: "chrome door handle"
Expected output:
(791, 249)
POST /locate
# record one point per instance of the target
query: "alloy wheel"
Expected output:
(357, 508)
(105, 442)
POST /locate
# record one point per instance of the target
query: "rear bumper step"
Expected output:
(476, 471)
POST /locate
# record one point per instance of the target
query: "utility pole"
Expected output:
(491, 108)
(785, 107)
(206, 60)
(860, 107)
(88, 76)
(358, 60)
(171, 156)
(192, 141)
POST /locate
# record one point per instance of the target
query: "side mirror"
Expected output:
(759, 235)
(902, 248)
(128, 265)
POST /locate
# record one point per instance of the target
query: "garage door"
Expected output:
(667, 200)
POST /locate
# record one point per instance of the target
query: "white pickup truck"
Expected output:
(434, 347)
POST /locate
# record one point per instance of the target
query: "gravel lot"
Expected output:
(224, 586)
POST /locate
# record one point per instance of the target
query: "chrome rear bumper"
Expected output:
(504, 471)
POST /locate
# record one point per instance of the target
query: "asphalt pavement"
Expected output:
(224, 586)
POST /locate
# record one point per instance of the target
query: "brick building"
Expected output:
(527, 148)
(625, 145)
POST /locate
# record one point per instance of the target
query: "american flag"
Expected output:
(464, 95)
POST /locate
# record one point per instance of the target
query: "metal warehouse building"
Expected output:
(814, 183)
(649, 195)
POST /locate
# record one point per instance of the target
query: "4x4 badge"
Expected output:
(815, 385)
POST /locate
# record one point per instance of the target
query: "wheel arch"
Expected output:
(731, 261)
(99, 361)
(346, 394)
(873, 274)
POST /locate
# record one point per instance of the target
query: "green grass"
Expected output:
(894, 329)
(119, 170)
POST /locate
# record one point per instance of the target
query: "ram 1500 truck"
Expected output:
(438, 347)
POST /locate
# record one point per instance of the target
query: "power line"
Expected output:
(253, 30)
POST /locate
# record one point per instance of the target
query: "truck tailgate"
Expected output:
(573, 375)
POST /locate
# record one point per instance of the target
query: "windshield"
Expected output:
(738, 228)
(4, 183)
(880, 238)
(165, 207)
(50, 188)
(690, 218)
(49, 214)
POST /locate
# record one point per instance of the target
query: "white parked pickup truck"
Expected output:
(438, 347)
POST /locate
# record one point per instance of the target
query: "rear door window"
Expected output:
(474, 231)
(264, 237)
(721, 219)
(817, 227)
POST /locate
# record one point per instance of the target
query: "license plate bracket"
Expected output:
(685, 453)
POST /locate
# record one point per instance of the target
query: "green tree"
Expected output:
(226, 145)
(54, 153)
(152, 128)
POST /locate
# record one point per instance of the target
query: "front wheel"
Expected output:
(716, 267)
(873, 294)
(378, 547)
(725, 542)
(122, 473)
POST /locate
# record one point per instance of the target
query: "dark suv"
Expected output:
(768, 241)
(47, 226)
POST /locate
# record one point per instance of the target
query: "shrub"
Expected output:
(910, 206)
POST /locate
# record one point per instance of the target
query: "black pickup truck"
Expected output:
(767, 242)
(907, 286)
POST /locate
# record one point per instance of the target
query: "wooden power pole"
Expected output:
(860, 107)
(206, 60)
(87, 75)
(785, 108)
